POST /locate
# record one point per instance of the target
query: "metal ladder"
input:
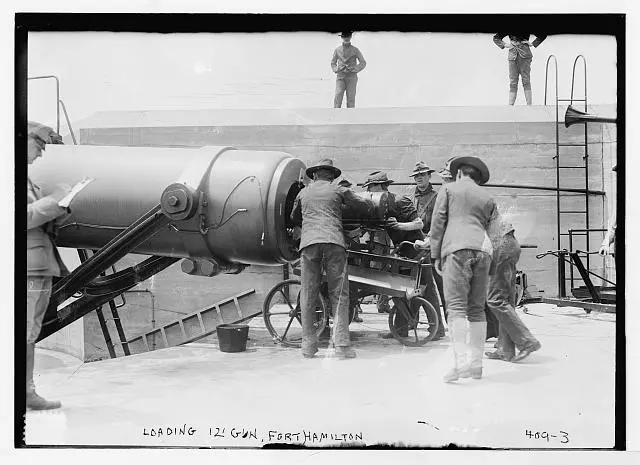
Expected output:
(193, 326)
(563, 238)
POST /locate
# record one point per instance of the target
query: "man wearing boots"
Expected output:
(512, 332)
(43, 259)
(459, 241)
(519, 57)
(347, 62)
(318, 207)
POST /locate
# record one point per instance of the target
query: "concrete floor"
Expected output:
(389, 394)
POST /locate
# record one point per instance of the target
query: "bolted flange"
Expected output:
(178, 202)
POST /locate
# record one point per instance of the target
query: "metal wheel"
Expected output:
(282, 315)
(413, 325)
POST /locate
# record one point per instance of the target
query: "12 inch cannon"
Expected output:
(219, 208)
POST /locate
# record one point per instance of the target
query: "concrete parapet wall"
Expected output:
(517, 143)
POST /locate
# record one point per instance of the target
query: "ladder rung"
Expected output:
(573, 211)
(201, 321)
(571, 100)
(238, 308)
(571, 145)
(574, 234)
(573, 167)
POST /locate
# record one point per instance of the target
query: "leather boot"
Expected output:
(477, 335)
(458, 333)
(512, 97)
(527, 96)
(34, 401)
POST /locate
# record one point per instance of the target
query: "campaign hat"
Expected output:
(326, 164)
(421, 168)
(471, 161)
(377, 177)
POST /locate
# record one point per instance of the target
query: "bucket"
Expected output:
(232, 338)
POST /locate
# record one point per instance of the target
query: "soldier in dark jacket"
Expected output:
(43, 259)
(520, 57)
(318, 207)
(424, 199)
(501, 296)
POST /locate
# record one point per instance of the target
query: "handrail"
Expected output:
(57, 97)
(546, 77)
(512, 186)
(573, 78)
(66, 115)
(59, 103)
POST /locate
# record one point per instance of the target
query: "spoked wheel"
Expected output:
(282, 315)
(413, 325)
(519, 291)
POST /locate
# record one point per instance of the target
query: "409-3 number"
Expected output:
(562, 436)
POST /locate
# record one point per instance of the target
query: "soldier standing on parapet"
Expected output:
(520, 57)
(347, 62)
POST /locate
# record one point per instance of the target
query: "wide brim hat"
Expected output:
(324, 164)
(471, 161)
(377, 177)
(346, 34)
(421, 168)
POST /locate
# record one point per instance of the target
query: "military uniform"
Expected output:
(347, 62)
(318, 207)
(501, 295)
(43, 261)
(519, 58)
(459, 238)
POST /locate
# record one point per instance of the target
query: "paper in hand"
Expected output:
(75, 190)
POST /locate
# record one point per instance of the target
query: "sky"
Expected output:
(102, 71)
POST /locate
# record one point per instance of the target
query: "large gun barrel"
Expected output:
(244, 199)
